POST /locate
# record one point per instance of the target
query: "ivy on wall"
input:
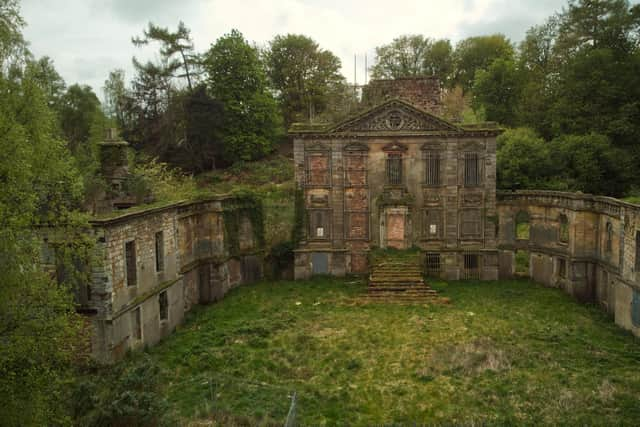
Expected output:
(244, 204)
(299, 216)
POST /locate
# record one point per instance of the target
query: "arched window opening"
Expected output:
(523, 226)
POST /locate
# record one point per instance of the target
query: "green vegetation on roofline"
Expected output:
(509, 352)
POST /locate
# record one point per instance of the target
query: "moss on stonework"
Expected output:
(245, 204)
(385, 199)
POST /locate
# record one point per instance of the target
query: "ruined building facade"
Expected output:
(398, 175)
(587, 245)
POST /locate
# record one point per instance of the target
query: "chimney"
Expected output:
(114, 167)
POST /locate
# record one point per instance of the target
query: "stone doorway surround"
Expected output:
(395, 227)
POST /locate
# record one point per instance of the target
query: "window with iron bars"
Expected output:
(394, 169)
(471, 266)
(471, 169)
(432, 169)
(432, 264)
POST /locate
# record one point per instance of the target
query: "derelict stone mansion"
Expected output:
(398, 175)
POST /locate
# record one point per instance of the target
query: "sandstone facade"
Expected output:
(398, 176)
(587, 245)
(151, 267)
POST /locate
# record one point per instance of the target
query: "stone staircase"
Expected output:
(398, 278)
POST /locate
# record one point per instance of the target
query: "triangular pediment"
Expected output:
(395, 116)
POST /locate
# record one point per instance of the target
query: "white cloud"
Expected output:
(89, 38)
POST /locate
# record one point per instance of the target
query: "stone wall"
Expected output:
(356, 208)
(155, 265)
(423, 92)
(586, 245)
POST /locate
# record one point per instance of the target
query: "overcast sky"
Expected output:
(88, 38)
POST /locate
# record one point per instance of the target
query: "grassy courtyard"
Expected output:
(500, 353)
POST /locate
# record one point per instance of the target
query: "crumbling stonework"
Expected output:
(154, 265)
(586, 245)
(397, 175)
(423, 92)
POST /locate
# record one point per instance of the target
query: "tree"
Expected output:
(589, 163)
(117, 99)
(403, 57)
(173, 43)
(498, 89)
(476, 53)
(236, 78)
(204, 120)
(413, 55)
(305, 76)
(78, 109)
(524, 161)
(47, 77)
(40, 186)
(439, 61)
(598, 24)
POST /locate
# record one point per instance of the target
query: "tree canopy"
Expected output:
(306, 78)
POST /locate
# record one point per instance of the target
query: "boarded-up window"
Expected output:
(130, 263)
(471, 266)
(609, 237)
(163, 302)
(355, 169)
(136, 323)
(471, 224)
(394, 169)
(432, 168)
(319, 224)
(564, 229)
(471, 169)
(357, 225)
(159, 251)
(318, 169)
(433, 226)
(523, 226)
(432, 264)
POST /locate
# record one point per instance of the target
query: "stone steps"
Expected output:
(399, 281)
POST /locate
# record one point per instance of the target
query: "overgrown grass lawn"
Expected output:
(500, 353)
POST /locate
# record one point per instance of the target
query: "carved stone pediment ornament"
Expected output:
(356, 147)
(395, 147)
(395, 116)
(472, 199)
(317, 146)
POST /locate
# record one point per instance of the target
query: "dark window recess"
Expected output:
(471, 266)
(635, 308)
(432, 264)
(130, 263)
(394, 169)
(564, 229)
(432, 172)
(163, 302)
(137, 323)
(159, 251)
(637, 251)
(609, 242)
(562, 268)
(471, 169)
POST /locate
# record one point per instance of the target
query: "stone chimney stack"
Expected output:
(114, 168)
(423, 92)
